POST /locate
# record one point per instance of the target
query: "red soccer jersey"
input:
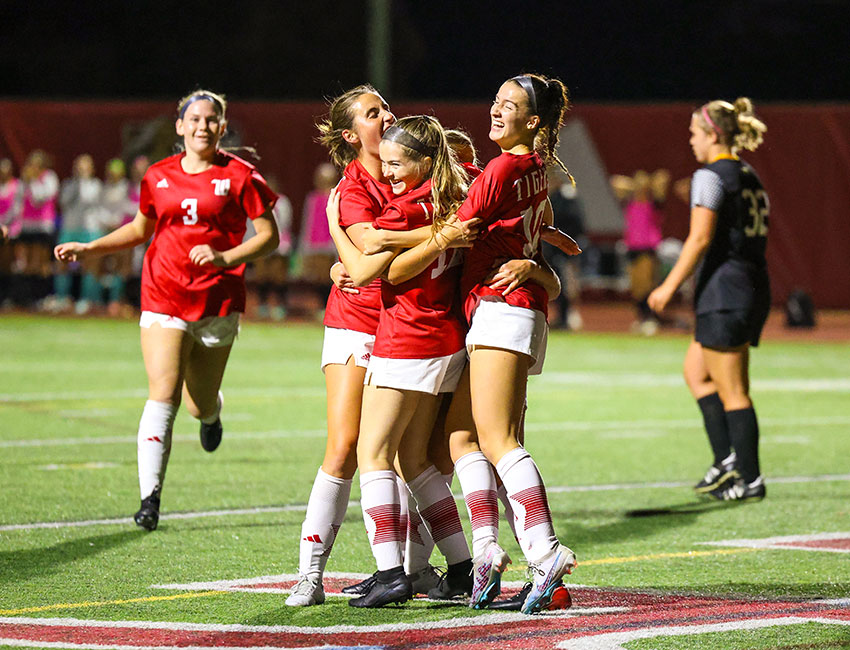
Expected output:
(418, 317)
(191, 209)
(510, 198)
(362, 198)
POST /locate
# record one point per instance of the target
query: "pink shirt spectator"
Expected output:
(38, 213)
(315, 236)
(643, 225)
(10, 206)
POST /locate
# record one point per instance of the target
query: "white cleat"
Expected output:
(487, 571)
(546, 576)
(306, 593)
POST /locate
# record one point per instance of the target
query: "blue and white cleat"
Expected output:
(487, 571)
(547, 576)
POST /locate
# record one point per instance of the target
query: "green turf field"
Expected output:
(610, 423)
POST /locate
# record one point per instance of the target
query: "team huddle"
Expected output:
(435, 321)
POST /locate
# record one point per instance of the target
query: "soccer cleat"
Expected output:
(424, 580)
(547, 576)
(717, 475)
(561, 599)
(211, 433)
(739, 490)
(456, 581)
(487, 571)
(306, 592)
(148, 515)
(397, 590)
(362, 587)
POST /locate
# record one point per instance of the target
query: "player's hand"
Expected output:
(332, 210)
(204, 254)
(660, 298)
(70, 251)
(455, 233)
(342, 280)
(561, 240)
(509, 275)
(372, 239)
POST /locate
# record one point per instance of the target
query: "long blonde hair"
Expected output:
(448, 180)
(736, 125)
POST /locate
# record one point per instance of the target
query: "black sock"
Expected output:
(460, 569)
(388, 576)
(716, 426)
(744, 434)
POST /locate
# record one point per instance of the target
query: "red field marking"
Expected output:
(830, 544)
(595, 612)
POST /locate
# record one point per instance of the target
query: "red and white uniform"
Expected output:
(419, 318)
(192, 209)
(510, 198)
(362, 198)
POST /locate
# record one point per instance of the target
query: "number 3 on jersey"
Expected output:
(191, 208)
(758, 210)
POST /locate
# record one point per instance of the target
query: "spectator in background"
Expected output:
(82, 220)
(568, 212)
(643, 197)
(269, 276)
(117, 210)
(315, 245)
(10, 225)
(133, 286)
(38, 229)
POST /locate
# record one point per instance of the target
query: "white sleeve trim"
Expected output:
(706, 189)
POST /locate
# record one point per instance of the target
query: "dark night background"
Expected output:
(772, 50)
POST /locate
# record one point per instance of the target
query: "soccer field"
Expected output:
(611, 425)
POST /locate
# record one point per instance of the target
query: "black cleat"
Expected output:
(717, 475)
(456, 581)
(362, 587)
(148, 515)
(399, 590)
(515, 602)
(211, 435)
(739, 490)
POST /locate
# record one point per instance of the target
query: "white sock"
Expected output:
(153, 445)
(502, 493)
(527, 495)
(418, 542)
(379, 501)
(325, 512)
(437, 507)
(478, 483)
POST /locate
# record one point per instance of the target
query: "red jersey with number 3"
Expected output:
(419, 317)
(192, 209)
(361, 200)
(510, 199)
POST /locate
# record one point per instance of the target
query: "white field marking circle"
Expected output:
(617, 640)
(824, 478)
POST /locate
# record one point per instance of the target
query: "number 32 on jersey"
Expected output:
(758, 209)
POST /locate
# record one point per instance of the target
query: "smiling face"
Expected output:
(402, 172)
(511, 122)
(370, 117)
(701, 140)
(201, 127)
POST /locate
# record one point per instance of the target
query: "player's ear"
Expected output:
(178, 126)
(350, 136)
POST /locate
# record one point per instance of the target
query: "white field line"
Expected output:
(354, 503)
(617, 640)
(785, 542)
(546, 384)
(620, 428)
